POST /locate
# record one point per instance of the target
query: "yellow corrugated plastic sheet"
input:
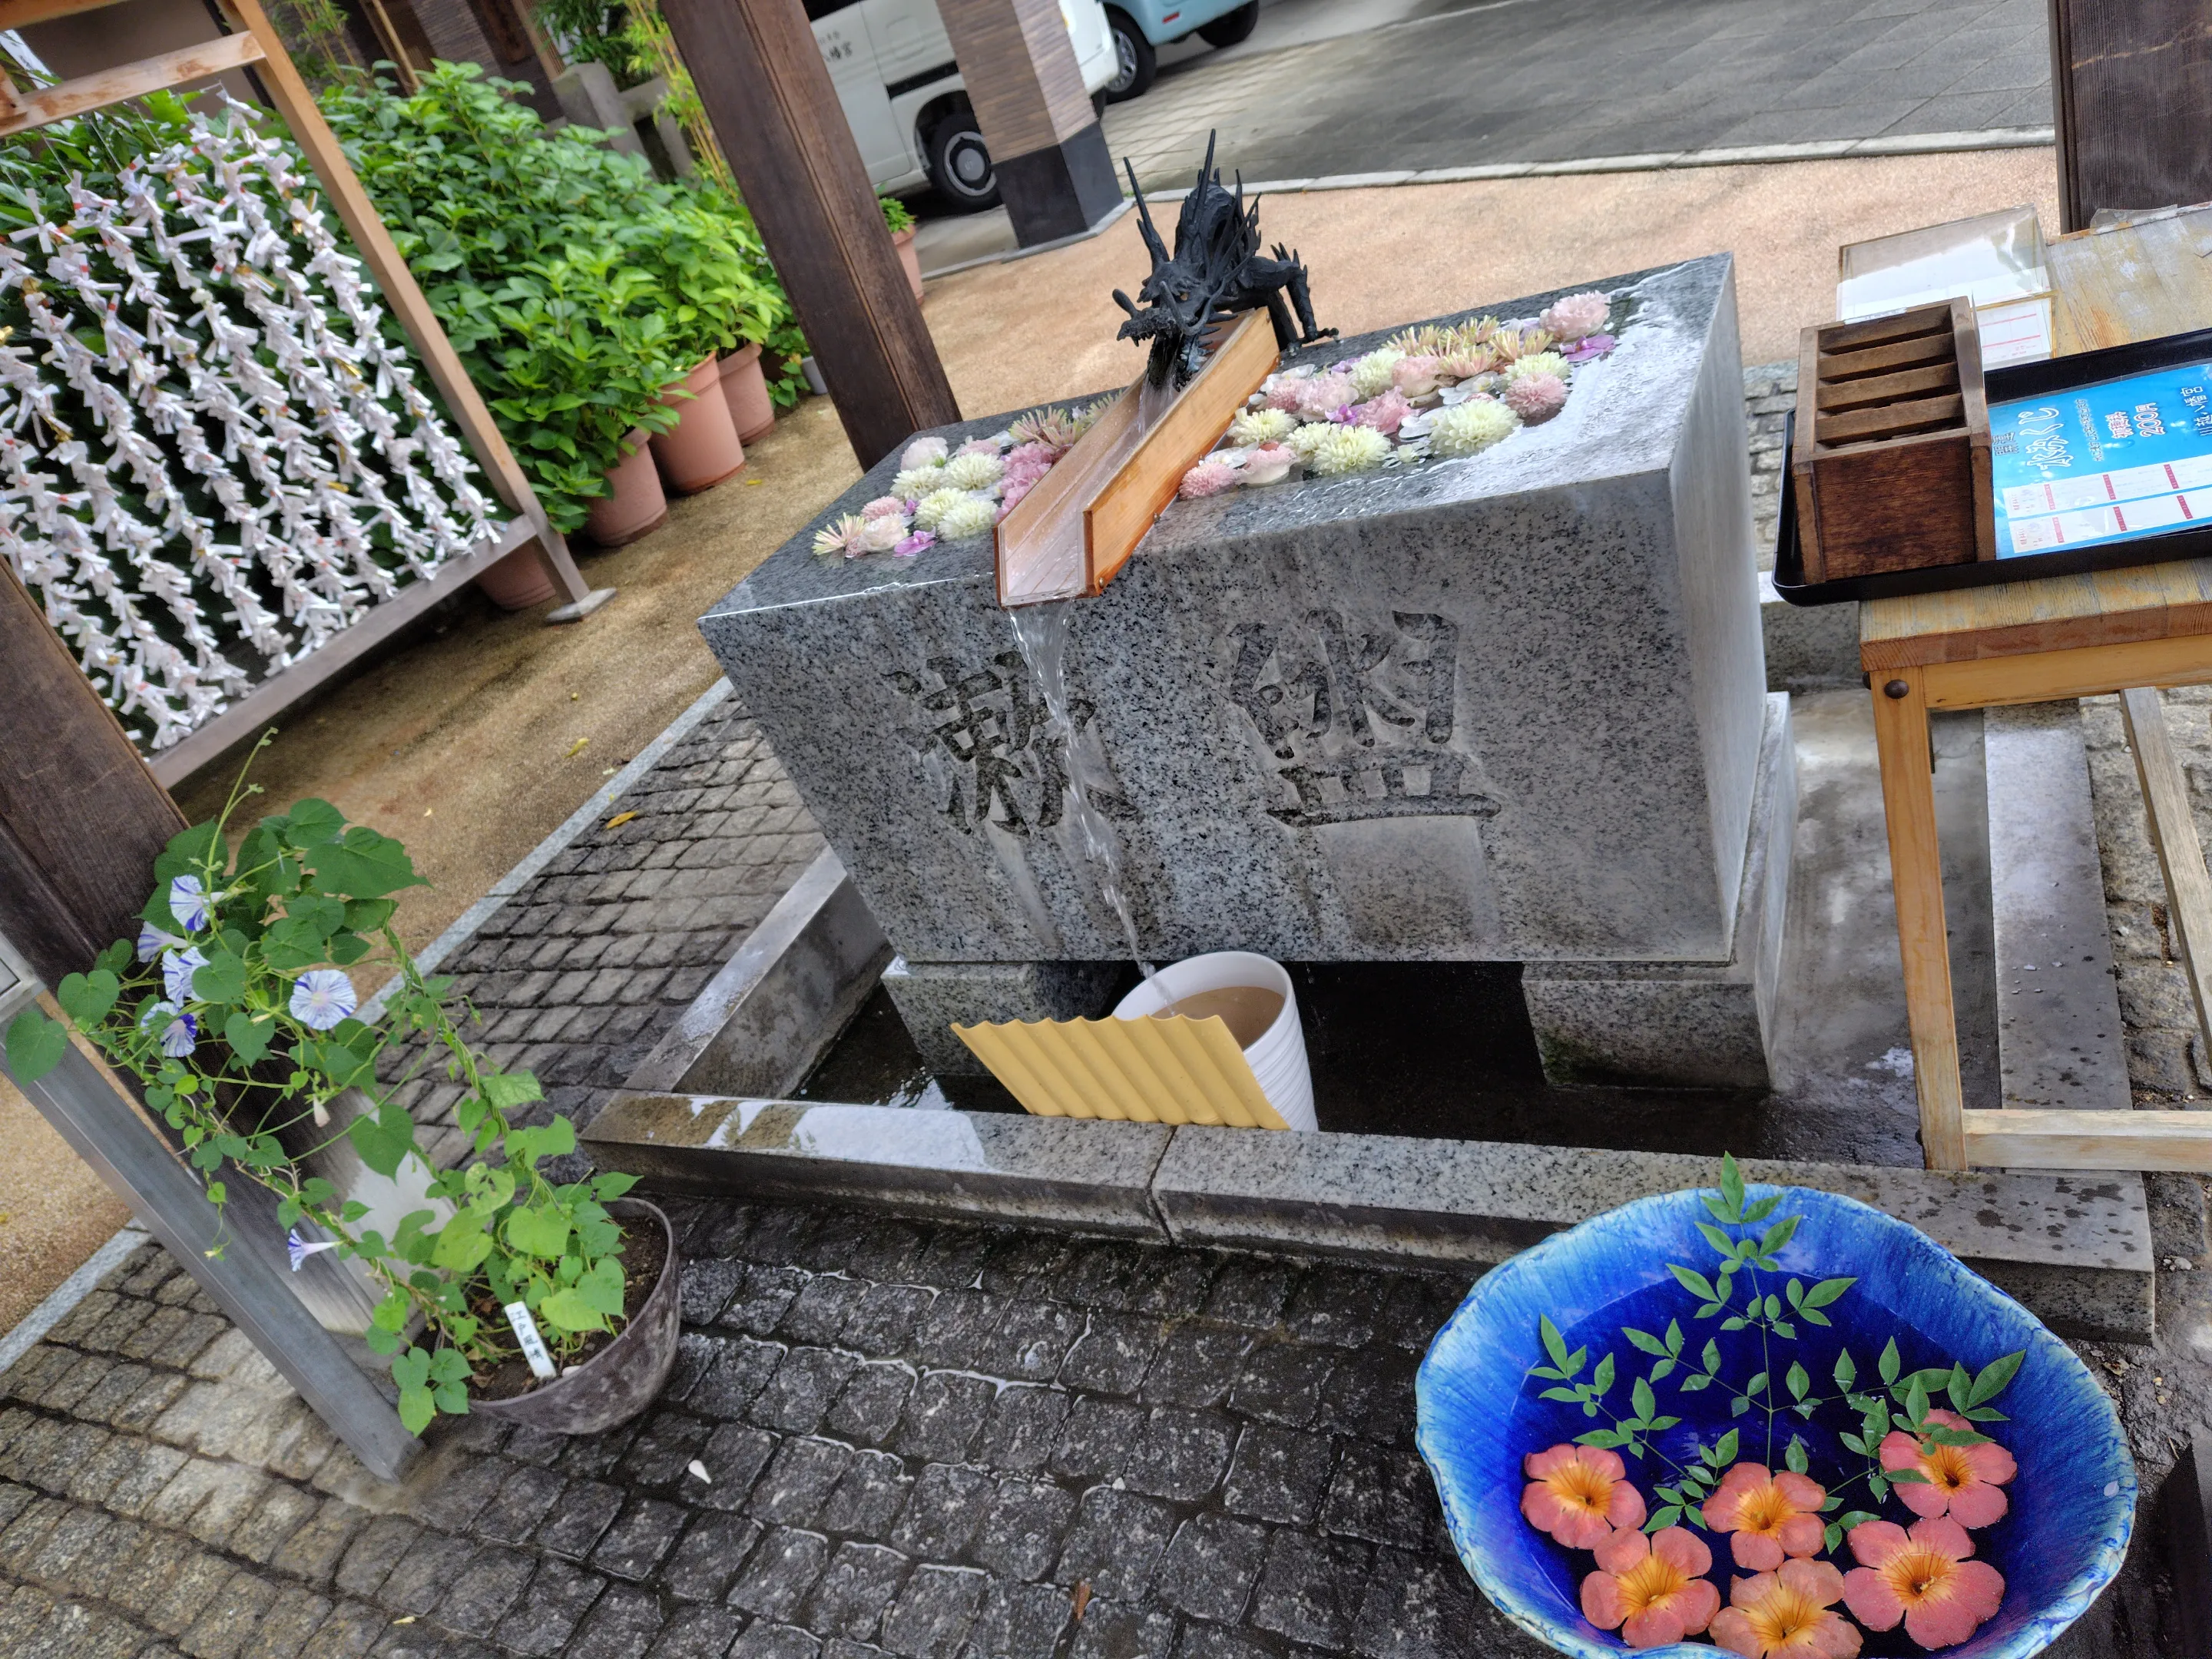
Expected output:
(1137, 1071)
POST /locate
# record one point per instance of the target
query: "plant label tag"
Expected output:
(534, 1345)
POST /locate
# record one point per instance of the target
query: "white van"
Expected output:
(892, 64)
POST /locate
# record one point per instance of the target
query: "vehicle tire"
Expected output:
(958, 164)
(1231, 28)
(1135, 63)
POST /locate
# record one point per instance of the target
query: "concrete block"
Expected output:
(1028, 1172)
(1809, 648)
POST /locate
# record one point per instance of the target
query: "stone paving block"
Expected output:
(932, 1615)
(1024, 1529)
(419, 1577)
(147, 1577)
(1030, 1341)
(526, 1497)
(849, 1599)
(670, 1441)
(482, 1591)
(799, 1481)
(1116, 1543)
(709, 1556)
(1415, 1607)
(200, 1578)
(1371, 1395)
(632, 1546)
(74, 1531)
(1019, 1621)
(112, 1388)
(819, 1313)
(1282, 1383)
(1117, 1629)
(1180, 1453)
(1310, 1588)
(770, 1639)
(228, 1621)
(888, 1316)
(698, 1632)
(1097, 1439)
(148, 1473)
(288, 1626)
(1210, 1567)
(281, 1513)
(872, 1402)
(449, 1495)
(1335, 1305)
(707, 1288)
(621, 1625)
(947, 1506)
(586, 1510)
(741, 1369)
(314, 1552)
(546, 1614)
(943, 1415)
(1250, 1291)
(956, 1325)
(1384, 1497)
(798, 1396)
(777, 1575)
(1024, 1426)
(1196, 1365)
(1278, 1474)
(350, 1631)
(74, 1382)
(734, 1455)
(869, 1498)
(1202, 1641)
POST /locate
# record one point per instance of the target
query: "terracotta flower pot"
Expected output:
(621, 1380)
(904, 241)
(518, 581)
(702, 449)
(634, 504)
(744, 389)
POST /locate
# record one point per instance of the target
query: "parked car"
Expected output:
(892, 64)
(1139, 26)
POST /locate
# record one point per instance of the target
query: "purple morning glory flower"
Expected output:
(177, 967)
(152, 941)
(188, 904)
(301, 1249)
(179, 1031)
(321, 997)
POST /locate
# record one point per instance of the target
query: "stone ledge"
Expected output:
(2075, 1248)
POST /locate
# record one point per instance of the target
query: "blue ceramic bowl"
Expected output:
(2073, 1501)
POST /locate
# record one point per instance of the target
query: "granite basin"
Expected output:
(2072, 1502)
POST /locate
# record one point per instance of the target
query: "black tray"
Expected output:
(2005, 385)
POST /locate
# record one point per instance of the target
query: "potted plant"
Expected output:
(901, 224)
(504, 1287)
(634, 504)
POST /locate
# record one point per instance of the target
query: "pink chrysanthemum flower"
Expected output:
(1536, 397)
(1577, 316)
(979, 446)
(1268, 464)
(1579, 1494)
(1965, 1482)
(1383, 413)
(1322, 395)
(1788, 1615)
(1465, 365)
(1416, 376)
(1772, 1516)
(1924, 1578)
(883, 506)
(1208, 477)
(1652, 1590)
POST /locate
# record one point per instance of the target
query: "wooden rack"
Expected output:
(252, 45)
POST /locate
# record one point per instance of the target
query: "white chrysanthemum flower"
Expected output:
(1470, 428)
(972, 471)
(1537, 362)
(1348, 449)
(971, 515)
(1307, 438)
(1371, 374)
(929, 512)
(1256, 427)
(921, 452)
(915, 482)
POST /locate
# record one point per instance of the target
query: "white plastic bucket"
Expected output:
(1279, 1058)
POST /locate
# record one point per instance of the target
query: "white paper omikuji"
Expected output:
(246, 466)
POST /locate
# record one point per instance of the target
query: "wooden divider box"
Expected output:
(1892, 463)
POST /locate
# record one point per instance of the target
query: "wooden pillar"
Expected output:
(2131, 92)
(768, 94)
(1050, 154)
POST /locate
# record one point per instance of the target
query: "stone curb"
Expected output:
(70, 1292)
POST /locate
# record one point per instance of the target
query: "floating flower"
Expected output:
(1209, 478)
(1536, 397)
(883, 507)
(1383, 413)
(920, 541)
(1966, 1482)
(1653, 1590)
(1268, 464)
(177, 967)
(1416, 376)
(1788, 1616)
(929, 513)
(841, 536)
(1348, 449)
(152, 941)
(1371, 374)
(1055, 429)
(1575, 316)
(1595, 346)
(923, 452)
(188, 902)
(177, 1031)
(915, 482)
(1579, 1494)
(971, 515)
(301, 1249)
(1261, 426)
(1772, 1516)
(971, 471)
(1466, 365)
(979, 446)
(1537, 362)
(1322, 395)
(880, 535)
(1924, 1577)
(1284, 391)
(322, 997)
(1516, 341)
(1470, 428)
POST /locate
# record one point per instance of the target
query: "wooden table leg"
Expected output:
(1908, 794)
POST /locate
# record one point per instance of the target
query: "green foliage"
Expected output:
(895, 216)
(262, 1089)
(574, 285)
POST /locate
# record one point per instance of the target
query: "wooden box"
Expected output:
(1891, 464)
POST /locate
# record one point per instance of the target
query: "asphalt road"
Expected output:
(1334, 87)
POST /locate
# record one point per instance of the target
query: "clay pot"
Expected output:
(634, 504)
(518, 581)
(904, 241)
(744, 389)
(621, 1380)
(702, 449)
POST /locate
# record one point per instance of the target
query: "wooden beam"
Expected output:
(2180, 853)
(117, 86)
(22, 13)
(2091, 670)
(776, 114)
(297, 104)
(2090, 1140)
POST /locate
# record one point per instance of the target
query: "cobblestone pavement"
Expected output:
(1770, 392)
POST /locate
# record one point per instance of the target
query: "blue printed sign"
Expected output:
(2105, 462)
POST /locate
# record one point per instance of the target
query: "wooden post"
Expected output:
(1901, 728)
(777, 116)
(2180, 854)
(1048, 150)
(2131, 91)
